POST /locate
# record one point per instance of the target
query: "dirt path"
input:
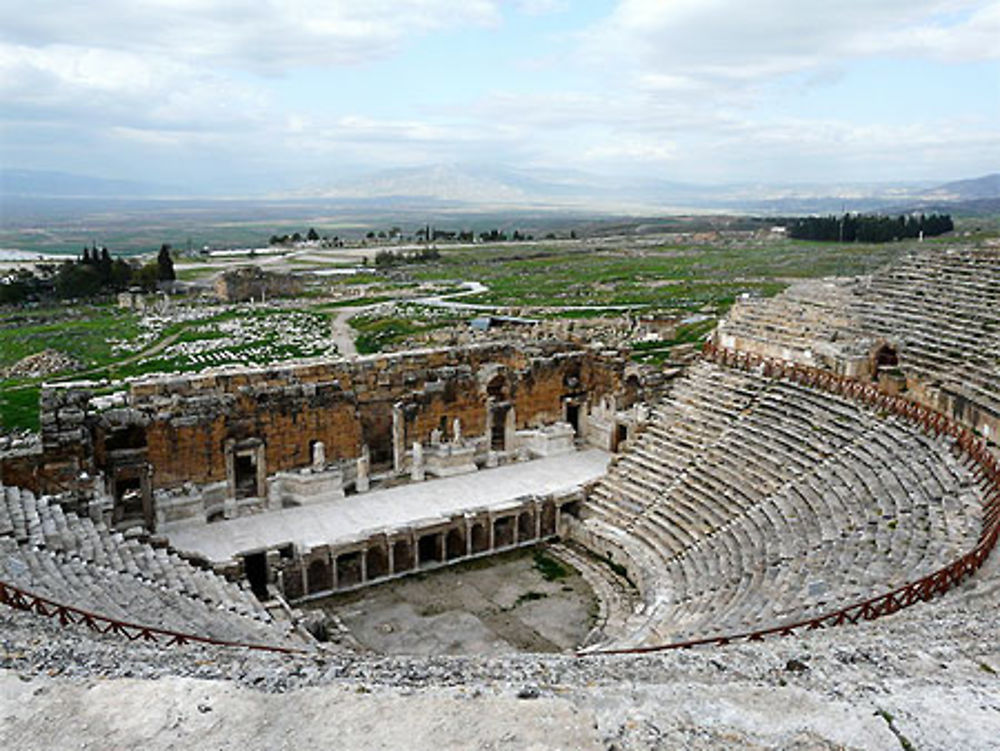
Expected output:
(342, 333)
(155, 349)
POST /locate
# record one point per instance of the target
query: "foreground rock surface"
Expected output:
(929, 676)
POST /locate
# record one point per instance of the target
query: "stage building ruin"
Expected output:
(220, 445)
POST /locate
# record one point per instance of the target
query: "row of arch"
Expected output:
(324, 570)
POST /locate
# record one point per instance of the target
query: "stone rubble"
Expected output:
(41, 364)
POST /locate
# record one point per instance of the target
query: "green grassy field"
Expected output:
(250, 335)
(379, 330)
(18, 405)
(555, 279)
(85, 332)
(656, 352)
(672, 277)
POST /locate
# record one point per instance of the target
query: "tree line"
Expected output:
(311, 236)
(93, 273)
(386, 258)
(868, 228)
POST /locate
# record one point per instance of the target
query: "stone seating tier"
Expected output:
(75, 561)
(785, 503)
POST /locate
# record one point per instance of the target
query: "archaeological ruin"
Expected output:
(829, 458)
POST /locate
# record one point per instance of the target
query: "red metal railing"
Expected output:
(21, 599)
(987, 472)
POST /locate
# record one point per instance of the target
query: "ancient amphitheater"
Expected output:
(809, 509)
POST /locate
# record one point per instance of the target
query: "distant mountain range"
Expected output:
(482, 186)
(985, 187)
(485, 185)
(41, 184)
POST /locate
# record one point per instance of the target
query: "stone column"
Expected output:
(417, 467)
(229, 447)
(641, 413)
(398, 437)
(489, 421)
(261, 459)
(364, 463)
(319, 456)
(509, 429)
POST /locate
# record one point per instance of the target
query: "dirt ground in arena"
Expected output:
(523, 601)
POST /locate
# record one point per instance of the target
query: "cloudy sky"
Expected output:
(233, 95)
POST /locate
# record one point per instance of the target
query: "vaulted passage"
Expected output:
(349, 569)
(378, 562)
(429, 549)
(480, 538)
(402, 556)
(319, 575)
(525, 526)
(255, 570)
(455, 542)
(498, 429)
(548, 519)
(503, 532)
(245, 468)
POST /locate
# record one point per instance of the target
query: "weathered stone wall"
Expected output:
(186, 425)
(252, 283)
(439, 403)
(978, 415)
(67, 442)
(21, 471)
(188, 444)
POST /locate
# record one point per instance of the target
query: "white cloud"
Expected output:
(690, 87)
(93, 85)
(260, 36)
(541, 7)
(632, 149)
(737, 41)
(976, 38)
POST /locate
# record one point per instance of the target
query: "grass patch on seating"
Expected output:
(548, 567)
(657, 352)
(529, 596)
(612, 564)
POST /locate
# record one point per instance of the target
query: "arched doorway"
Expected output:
(455, 544)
